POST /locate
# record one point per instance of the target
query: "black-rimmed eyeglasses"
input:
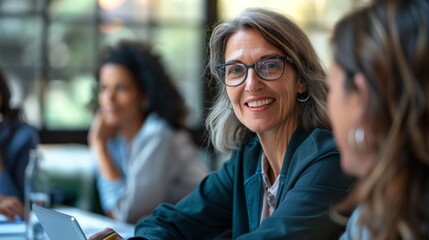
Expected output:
(234, 74)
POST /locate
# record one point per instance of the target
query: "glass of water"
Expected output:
(36, 192)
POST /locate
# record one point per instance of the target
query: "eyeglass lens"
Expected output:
(268, 69)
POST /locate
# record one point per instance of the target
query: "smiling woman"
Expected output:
(263, 106)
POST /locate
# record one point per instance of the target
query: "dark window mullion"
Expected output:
(44, 68)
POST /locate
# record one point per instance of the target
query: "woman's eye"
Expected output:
(122, 88)
(235, 70)
(270, 65)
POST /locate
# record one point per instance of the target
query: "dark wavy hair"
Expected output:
(8, 113)
(152, 79)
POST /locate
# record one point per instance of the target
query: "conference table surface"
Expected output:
(89, 222)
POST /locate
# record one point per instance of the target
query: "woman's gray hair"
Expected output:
(226, 131)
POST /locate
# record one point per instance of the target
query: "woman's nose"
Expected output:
(253, 81)
(108, 95)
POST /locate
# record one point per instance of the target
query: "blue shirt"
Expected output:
(158, 165)
(354, 230)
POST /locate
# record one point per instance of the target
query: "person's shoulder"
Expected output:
(27, 128)
(24, 130)
(155, 125)
(321, 135)
(18, 126)
(313, 145)
(322, 140)
(22, 134)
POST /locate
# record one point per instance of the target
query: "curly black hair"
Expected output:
(154, 82)
(8, 113)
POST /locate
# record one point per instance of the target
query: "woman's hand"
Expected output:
(98, 135)
(11, 207)
(106, 234)
(100, 132)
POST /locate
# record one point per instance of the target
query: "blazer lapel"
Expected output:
(297, 138)
(253, 189)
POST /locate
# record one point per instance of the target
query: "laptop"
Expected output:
(58, 225)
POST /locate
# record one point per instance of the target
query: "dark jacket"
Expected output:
(16, 140)
(230, 199)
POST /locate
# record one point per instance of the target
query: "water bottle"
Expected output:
(36, 192)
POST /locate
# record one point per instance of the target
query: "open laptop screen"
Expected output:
(58, 225)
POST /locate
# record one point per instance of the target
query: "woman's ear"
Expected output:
(362, 93)
(300, 86)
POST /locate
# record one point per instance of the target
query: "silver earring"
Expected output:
(356, 139)
(303, 97)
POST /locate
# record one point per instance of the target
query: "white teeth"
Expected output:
(259, 103)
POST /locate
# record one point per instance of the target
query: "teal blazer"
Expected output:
(230, 199)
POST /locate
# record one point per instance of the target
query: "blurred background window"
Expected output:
(48, 49)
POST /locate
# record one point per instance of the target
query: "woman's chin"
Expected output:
(348, 166)
(110, 121)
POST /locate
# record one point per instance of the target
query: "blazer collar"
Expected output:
(297, 138)
(254, 185)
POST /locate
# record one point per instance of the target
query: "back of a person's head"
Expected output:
(388, 42)
(151, 76)
(7, 113)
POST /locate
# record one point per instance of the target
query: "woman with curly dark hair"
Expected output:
(145, 156)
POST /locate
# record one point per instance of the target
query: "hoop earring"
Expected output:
(357, 138)
(303, 97)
